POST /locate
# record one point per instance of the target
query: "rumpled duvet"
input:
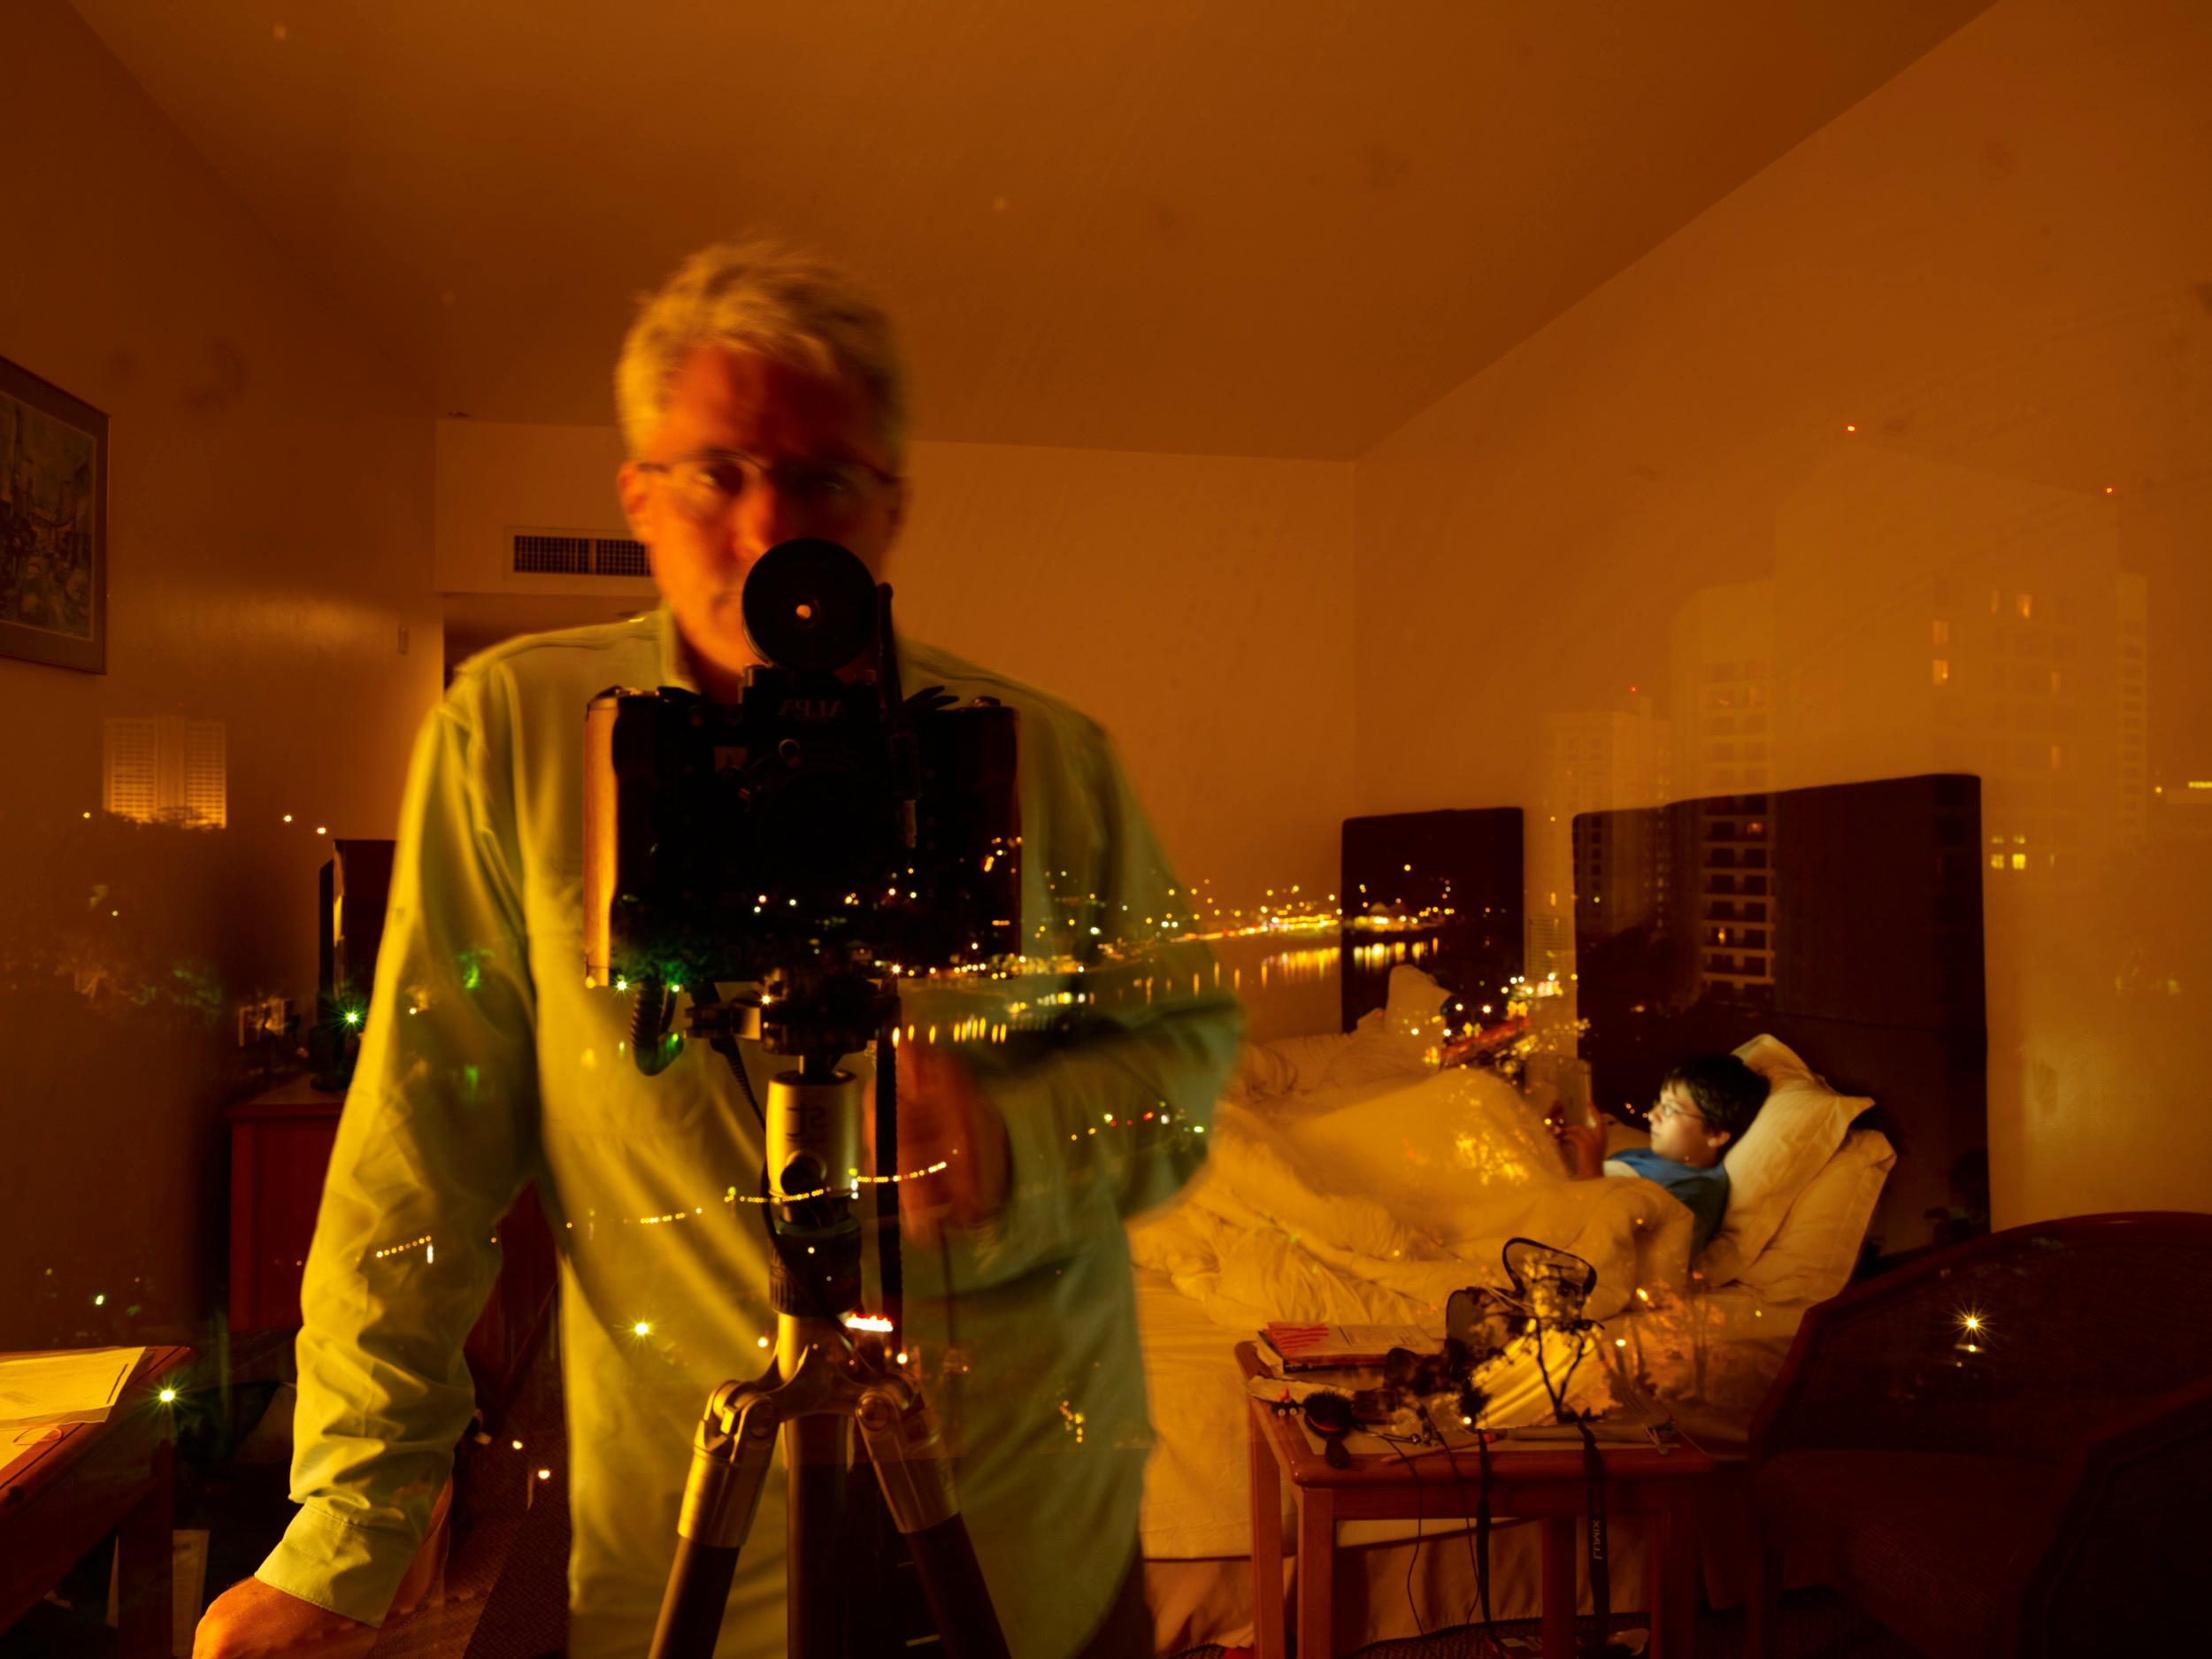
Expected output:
(1373, 1205)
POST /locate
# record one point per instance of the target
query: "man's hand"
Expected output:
(944, 1118)
(252, 1620)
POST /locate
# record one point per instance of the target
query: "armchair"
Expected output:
(2003, 1447)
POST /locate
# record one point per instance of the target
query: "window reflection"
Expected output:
(166, 770)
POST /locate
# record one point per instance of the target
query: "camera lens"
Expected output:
(809, 605)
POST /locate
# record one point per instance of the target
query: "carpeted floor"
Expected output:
(240, 1502)
(1814, 1626)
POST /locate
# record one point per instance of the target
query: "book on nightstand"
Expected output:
(1290, 1346)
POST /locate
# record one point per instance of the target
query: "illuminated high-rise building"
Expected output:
(1933, 617)
(2182, 812)
(1723, 647)
(2131, 610)
(1593, 761)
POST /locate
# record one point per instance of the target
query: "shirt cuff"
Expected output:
(1037, 1168)
(342, 1568)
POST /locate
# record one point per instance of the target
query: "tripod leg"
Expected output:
(729, 1462)
(914, 1467)
(814, 1449)
(959, 1600)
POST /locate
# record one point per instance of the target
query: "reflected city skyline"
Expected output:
(1921, 616)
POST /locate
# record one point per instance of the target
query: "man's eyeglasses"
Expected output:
(708, 486)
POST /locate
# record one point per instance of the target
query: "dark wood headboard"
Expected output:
(1409, 863)
(1846, 920)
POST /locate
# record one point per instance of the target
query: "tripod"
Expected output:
(822, 1380)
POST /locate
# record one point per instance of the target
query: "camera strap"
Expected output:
(1482, 1524)
(892, 1273)
(1600, 1582)
(1600, 1576)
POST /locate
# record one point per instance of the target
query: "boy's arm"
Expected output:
(1585, 1150)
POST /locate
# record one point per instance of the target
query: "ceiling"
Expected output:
(1267, 227)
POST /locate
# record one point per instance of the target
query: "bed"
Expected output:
(1351, 1181)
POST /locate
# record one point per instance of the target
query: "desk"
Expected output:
(64, 1494)
(1538, 1482)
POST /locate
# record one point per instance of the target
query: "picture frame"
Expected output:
(53, 524)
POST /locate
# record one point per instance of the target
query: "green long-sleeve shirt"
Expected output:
(487, 1063)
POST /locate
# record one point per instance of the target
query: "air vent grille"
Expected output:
(612, 556)
(554, 555)
(575, 553)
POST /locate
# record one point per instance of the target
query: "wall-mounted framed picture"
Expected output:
(53, 524)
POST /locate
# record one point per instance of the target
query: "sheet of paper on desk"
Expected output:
(78, 1386)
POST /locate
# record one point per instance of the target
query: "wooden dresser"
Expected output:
(280, 1149)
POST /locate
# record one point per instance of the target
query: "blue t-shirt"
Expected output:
(1705, 1191)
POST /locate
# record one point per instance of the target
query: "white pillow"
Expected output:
(1396, 1040)
(1796, 1132)
(1815, 1253)
(1416, 1003)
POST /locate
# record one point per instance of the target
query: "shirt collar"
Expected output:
(675, 659)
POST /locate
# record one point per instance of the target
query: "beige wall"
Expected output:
(269, 509)
(1999, 269)
(497, 476)
(1996, 267)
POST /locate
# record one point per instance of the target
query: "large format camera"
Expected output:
(817, 841)
(817, 838)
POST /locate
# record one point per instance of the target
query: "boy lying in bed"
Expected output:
(1707, 1102)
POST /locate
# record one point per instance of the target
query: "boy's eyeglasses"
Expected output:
(1667, 1108)
(707, 488)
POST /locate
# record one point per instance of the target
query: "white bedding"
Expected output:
(1349, 1184)
(1372, 1204)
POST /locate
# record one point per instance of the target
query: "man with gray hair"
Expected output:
(761, 401)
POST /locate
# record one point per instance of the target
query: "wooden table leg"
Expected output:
(144, 1578)
(1317, 1573)
(1655, 1596)
(1559, 1587)
(1672, 1579)
(1763, 1638)
(1267, 1543)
